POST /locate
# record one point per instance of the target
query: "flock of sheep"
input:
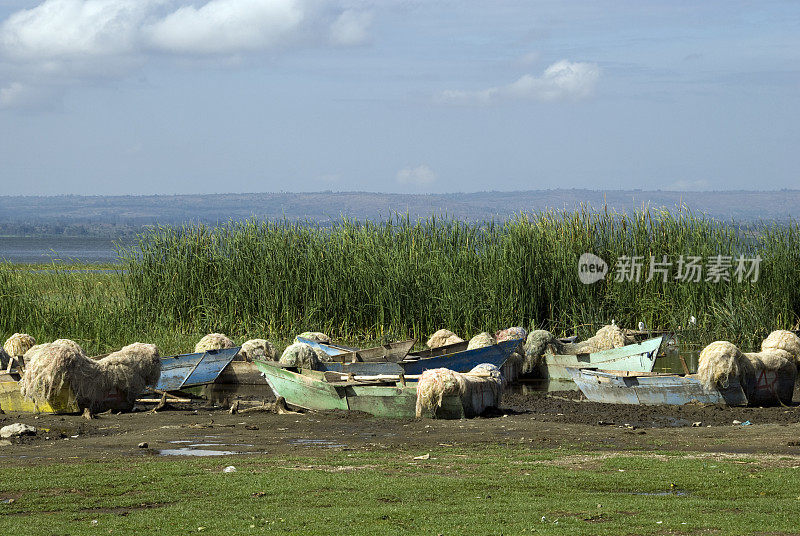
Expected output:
(48, 367)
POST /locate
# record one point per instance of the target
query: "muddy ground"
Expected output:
(529, 420)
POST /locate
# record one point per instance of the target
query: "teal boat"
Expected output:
(650, 389)
(637, 357)
(308, 389)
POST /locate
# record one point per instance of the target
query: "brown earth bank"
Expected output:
(527, 420)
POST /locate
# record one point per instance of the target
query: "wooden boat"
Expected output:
(188, 370)
(309, 389)
(462, 360)
(12, 400)
(637, 357)
(64, 402)
(240, 379)
(392, 352)
(651, 388)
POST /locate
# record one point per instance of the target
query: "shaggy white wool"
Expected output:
(782, 339)
(19, 343)
(300, 355)
(443, 337)
(481, 340)
(257, 349)
(213, 341)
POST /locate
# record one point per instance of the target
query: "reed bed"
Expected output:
(398, 278)
(373, 281)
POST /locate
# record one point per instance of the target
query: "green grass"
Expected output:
(498, 490)
(366, 281)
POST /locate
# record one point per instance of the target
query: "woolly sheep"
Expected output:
(213, 341)
(783, 340)
(443, 337)
(19, 343)
(315, 336)
(300, 355)
(257, 349)
(719, 362)
(481, 340)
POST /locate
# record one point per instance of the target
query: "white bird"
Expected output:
(641, 326)
(613, 322)
(692, 320)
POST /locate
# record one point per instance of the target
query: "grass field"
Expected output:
(376, 281)
(494, 490)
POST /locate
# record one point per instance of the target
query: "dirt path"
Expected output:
(530, 421)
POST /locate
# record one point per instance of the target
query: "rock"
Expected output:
(17, 429)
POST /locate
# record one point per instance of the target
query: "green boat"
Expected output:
(308, 389)
(637, 357)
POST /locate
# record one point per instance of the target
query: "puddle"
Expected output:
(194, 445)
(195, 452)
(182, 441)
(316, 443)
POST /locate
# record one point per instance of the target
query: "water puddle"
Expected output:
(316, 443)
(194, 452)
(195, 445)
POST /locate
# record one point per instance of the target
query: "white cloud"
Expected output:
(351, 28)
(62, 43)
(68, 29)
(227, 26)
(562, 80)
(420, 175)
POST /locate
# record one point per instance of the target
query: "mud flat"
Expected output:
(530, 420)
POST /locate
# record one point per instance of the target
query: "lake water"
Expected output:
(46, 249)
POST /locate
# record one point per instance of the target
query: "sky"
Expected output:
(106, 97)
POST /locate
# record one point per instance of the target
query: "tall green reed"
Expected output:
(377, 280)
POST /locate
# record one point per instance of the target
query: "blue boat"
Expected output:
(651, 388)
(189, 370)
(458, 361)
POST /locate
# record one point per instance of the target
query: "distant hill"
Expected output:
(120, 215)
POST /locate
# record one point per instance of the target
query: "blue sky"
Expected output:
(183, 96)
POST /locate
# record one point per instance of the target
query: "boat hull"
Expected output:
(463, 361)
(308, 390)
(187, 370)
(619, 387)
(637, 357)
(11, 400)
(391, 352)
(64, 402)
